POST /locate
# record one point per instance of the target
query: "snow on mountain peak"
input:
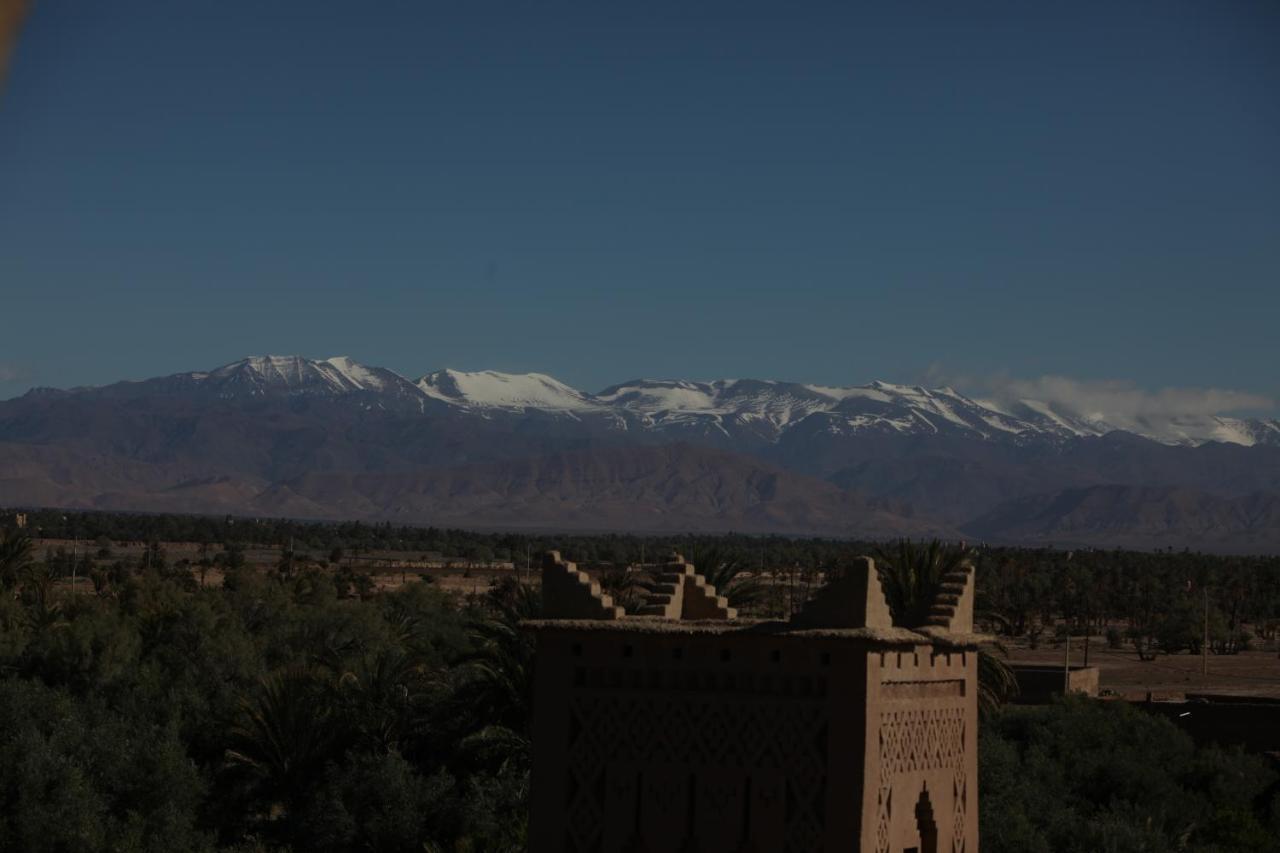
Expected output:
(755, 409)
(259, 373)
(1200, 429)
(355, 373)
(296, 375)
(661, 395)
(274, 367)
(489, 389)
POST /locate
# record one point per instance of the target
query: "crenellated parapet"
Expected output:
(854, 599)
(679, 592)
(952, 609)
(666, 592)
(684, 728)
(568, 593)
(701, 602)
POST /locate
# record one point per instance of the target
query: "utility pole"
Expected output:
(1066, 664)
(1204, 647)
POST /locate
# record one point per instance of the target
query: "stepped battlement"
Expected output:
(685, 727)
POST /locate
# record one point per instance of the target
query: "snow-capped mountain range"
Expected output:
(733, 408)
(335, 439)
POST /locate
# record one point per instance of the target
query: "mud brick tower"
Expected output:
(682, 728)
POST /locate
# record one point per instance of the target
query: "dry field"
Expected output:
(1252, 673)
(382, 566)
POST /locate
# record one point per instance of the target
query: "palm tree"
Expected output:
(728, 573)
(627, 588)
(911, 576)
(15, 556)
(496, 680)
(996, 682)
(282, 738)
(513, 601)
(380, 694)
(44, 610)
(494, 683)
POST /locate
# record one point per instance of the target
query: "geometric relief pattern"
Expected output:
(957, 829)
(921, 739)
(675, 738)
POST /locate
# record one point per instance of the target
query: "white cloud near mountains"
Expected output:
(9, 373)
(1118, 402)
(1119, 399)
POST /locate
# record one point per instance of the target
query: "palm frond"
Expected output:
(996, 682)
(15, 556)
(911, 575)
(731, 577)
(282, 735)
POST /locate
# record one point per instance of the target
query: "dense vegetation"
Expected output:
(159, 716)
(279, 711)
(1086, 777)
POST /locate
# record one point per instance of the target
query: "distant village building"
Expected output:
(681, 728)
(1038, 685)
(20, 520)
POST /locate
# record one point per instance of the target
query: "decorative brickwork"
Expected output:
(917, 740)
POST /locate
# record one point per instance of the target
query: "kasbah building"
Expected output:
(682, 728)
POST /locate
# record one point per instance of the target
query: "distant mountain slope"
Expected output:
(955, 478)
(1137, 517)
(675, 487)
(332, 438)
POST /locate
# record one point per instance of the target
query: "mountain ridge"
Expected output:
(333, 439)
(760, 409)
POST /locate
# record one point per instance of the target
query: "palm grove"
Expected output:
(297, 709)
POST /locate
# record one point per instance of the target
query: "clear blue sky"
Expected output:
(824, 192)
